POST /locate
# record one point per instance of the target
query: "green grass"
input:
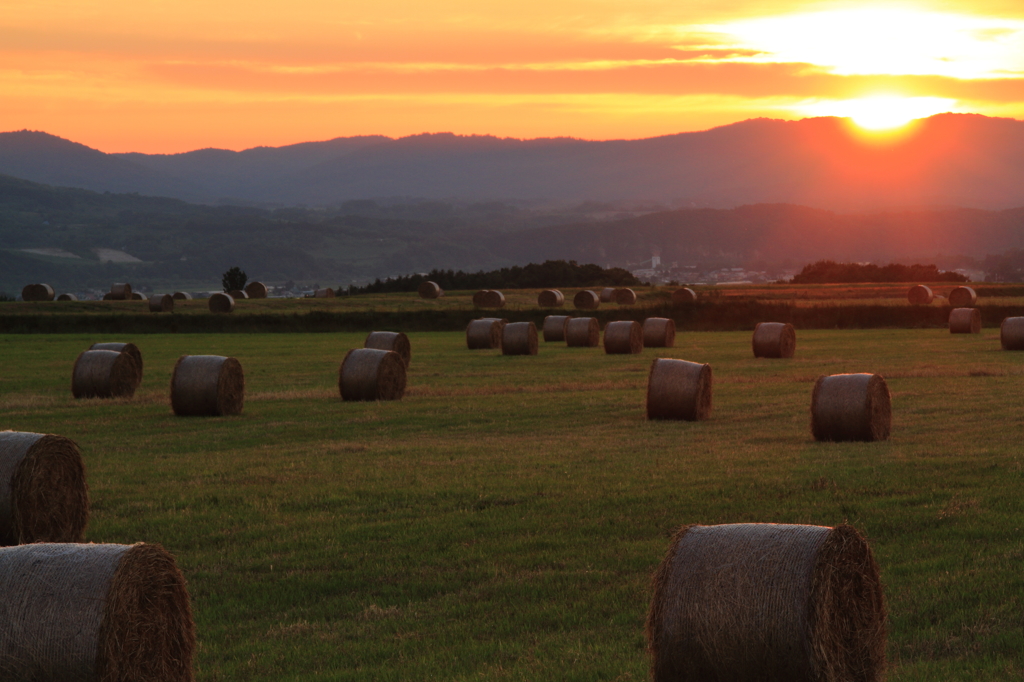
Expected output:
(503, 519)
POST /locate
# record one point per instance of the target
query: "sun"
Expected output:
(881, 112)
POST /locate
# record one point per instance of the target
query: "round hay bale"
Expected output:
(484, 333)
(607, 295)
(109, 297)
(774, 340)
(850, 407)
(677, 389)
(920, 295)
(1011, 333)
(659, 332)
(238, 294)
(554, 327)
(37, 292)
(43, 494)
(182, 296)
(623, 337)
(519, 338)
(767, 602)
(393, 341)
(550, 298)
(161, 303)
(586, 300)
(684, 296)
(372, 374)
(624, 296)
(324, 293)
(207, 386)
(111, 613)
(129, 348)
(67, 297)
(256, 290)
(137, 296)
(105, 374)
(964, 321)
(583, 332)
(121, 292)
(489, 298)
(221, 303)
(963, 297)
(430, 290)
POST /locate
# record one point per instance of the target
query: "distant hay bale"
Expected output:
(623, 337)
(324, 293)
(624, 296)
(256, 290)
(920, 295)
(519, 338)
(963, 297)
(677, 389)
(120, 347)
(372, 374)
(110, 613)
(850, 407)
(121, 291)
(182, 296)
(607, 295)
(137, 296)
(207, 386)
(550, 298)
(586, 300)
(964, 321)
(1011, 333)
(484, 333)
(684, 296)
(774, 340)
(583, 332)
(489, 298)
(393, 341)
(659, 332)
(760, 602)
(554, 327)
(66, 297)
(109, 297)
(238, 294)
(430, 290)
(43, 493)
(221, 303)
(105, 374)
(37, 292)
(161, 303)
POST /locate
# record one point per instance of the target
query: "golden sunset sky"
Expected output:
(158, 76)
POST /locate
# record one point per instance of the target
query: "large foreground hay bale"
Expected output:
(37, 292)
(430, 290)
(67, 297)
(583, 332)
(372, 374)
(484, 333)
(554, 327)
(489, 298)
(137, 296)
(105, 374)
(43, 494)
(623, 337)
(774, 340)
(850, 407)
(684, 296)
(677, 389)
(256, 290)
(1011, 333)
(519, 338)
(207, 386)
(920, 295)
(161, 303)
(624, 296)
(753, 602)
(393, 341)
(607, 294)
(238, 294)
(182, 296)
(963, 297)
(964, 321)
(221, 303)
(120, 291)
(659, 332)
(109, 613)
(586, 300)
(550, 298)
(129, 348)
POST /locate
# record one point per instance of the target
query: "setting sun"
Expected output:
(881, 113)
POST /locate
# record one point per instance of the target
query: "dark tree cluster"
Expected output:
(830, 272)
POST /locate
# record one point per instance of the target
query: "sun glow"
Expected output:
(881, 113)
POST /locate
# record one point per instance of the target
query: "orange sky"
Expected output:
(160, 76)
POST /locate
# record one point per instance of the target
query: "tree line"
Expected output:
(831, 272)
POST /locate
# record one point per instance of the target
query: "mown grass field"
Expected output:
(502, 521)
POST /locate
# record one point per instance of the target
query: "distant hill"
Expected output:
(962, 160)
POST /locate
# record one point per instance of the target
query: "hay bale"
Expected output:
(920, 295)
(586, 300)
(554, 327)
(484, 333)
(850, 407)
(207, 386)
(659, 332)
(37, 292)
(550, 298)
(137, 296)
(105, 374)
(583, 332)
(1011, 333)
(238, 294)
(624, 296)
(684, 296)
(964, 321)
(43, 494)
(760, 602)
(489, 298)
(623, 337)
(774, 340)
(109, 297)
(324, 293)
(963, 297)
(256, 290)
(372, 374)
(393, 341)
(181, 296)
(67, 297)
(677, 389)
(430, 290)
(607, 295)
(161, 303)
(221, 303)
(519, 338)
(121, 292)
(110, 613)
(119, 347)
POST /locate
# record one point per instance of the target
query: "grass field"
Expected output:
(502, 520)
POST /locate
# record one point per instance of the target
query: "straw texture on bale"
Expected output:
(324, 293)
(753, 602)
(684, 296)
(484, 333)
(677, 389)
(256, 290)
(586, 300)
(121, 291)
(550, 298)
(238, 294)
(430, 290)
(659, 332)
(519, 338)
(850, 407)
(774, 340)
(962, 297)
(137, 296)
(623, 337)
(554, 327)
(182, 296)
(964, 321)
(105, 374)
(37, 292)
(207, 386)
(1011, 333)
(161, 303)
(607, 295)
(920, 295)
(221, 303)
(43, 493)
(624, 296)
(129, 348)
(96, 613)
(372, 374)
(394, 341)
(489, 298)
(67, 297)
(583, 332)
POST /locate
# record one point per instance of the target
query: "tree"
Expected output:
(234, 278)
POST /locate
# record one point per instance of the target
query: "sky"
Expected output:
(156, 76)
